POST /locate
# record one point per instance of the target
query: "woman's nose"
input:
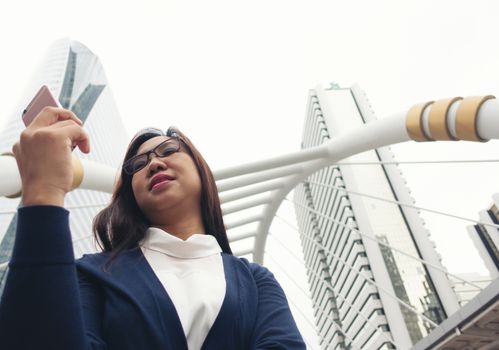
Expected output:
(156, 164)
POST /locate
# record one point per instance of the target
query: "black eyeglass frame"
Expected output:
(171, 132)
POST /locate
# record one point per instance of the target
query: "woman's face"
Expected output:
(166, 183)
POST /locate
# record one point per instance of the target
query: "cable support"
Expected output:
(314, 327)
(307, 294)
(307, 320)
(337, 295)
(421, 162)
(301, 288)
(322, 312)
(375, 327)
(404, 204)
(293, 254)
(332, 321)
(366, 319)
(400, 301)
(352, 342)
(436, 267)
(487, 282)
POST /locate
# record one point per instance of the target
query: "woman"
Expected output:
(166, 278)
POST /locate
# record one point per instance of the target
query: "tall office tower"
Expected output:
(486, 238)
(75, 75)
(366, 294)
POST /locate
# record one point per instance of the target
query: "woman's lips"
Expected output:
(160, 185)
(158, 179)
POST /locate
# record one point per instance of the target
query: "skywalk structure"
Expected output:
(375, 279)
(74, 75)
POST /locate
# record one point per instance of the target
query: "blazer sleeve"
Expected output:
(275, 327)
(41, 306)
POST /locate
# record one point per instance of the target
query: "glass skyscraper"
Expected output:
(366, 295)
(75, 75)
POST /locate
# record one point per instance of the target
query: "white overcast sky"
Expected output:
(234, 75)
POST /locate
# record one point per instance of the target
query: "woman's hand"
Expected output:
(43, 155)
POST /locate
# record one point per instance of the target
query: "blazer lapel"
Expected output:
(148, 286)
(221, 333)
(132, 276)
(170, 321)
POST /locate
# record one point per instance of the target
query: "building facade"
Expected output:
(486, 238)
(76, 77)
(366, 293)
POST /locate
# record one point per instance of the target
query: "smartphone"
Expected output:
(43, 98)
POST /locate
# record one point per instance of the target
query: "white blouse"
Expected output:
(192, 273)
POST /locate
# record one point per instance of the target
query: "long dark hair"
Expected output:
(122, 225)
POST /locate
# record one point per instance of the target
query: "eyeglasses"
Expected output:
(164, 149)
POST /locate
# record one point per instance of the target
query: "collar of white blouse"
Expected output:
(196, 246)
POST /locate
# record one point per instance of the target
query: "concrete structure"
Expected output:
(486, 238)
(466, 292)
(475, 326)
(74, 75)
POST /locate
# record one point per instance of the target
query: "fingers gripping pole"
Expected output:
(97, 177)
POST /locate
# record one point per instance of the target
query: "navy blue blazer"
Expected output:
(51, 301)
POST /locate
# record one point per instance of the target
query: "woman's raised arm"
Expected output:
(41, 306)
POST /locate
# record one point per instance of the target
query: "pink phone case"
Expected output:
(43, 98)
